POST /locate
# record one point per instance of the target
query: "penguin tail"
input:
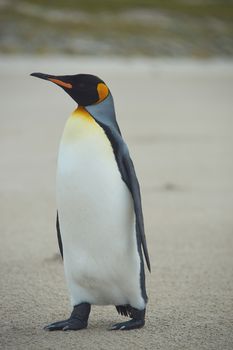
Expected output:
(124, 310)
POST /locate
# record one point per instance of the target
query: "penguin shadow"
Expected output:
(166, 187)
(55, 258)
(171, 187)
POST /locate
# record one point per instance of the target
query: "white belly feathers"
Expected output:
(97, 221)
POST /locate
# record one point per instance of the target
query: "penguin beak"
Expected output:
(53, 79)
(42, 76)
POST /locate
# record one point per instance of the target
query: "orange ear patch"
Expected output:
(61, 83)
(102, 91)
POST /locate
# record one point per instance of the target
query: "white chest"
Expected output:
(96, 217)
(91, 195)
(87, 165)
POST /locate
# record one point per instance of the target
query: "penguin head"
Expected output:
(85, 89)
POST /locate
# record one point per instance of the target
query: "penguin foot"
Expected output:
(128, 325)
(137, 321)
(66, 325)
(78, 320)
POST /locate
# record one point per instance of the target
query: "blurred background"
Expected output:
(174, 28)
(169, 66)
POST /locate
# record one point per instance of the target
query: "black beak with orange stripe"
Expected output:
(85, 89)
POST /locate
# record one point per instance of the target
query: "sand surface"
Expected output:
(177, 120)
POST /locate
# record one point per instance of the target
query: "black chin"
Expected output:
(84, 98)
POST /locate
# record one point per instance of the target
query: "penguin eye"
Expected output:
(103, 91)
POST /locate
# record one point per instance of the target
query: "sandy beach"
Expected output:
(177, 119)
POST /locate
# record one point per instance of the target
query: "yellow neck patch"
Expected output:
(81, 112)
(79, 125)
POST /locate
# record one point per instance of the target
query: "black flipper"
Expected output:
(104, 114)
(59, 236)
(128, 174)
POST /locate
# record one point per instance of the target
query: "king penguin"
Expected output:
(99, 224)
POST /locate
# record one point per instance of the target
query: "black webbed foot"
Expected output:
(137, 318)
(66, 325)
(78, 319)
(128, 325)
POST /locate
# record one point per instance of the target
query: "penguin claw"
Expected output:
(56, 326)
(72, 324)
(112, 328)
(128, 325)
